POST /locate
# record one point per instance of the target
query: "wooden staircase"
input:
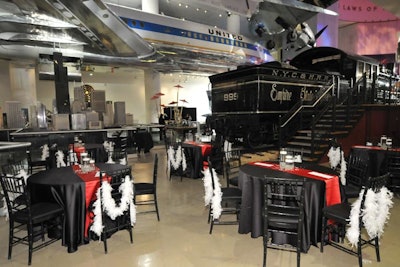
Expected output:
(313, 142)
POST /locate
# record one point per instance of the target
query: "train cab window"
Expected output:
(212, 39)
(142, 24)
(368, 70)
(195, 35)
(375, 69)
(360, 69)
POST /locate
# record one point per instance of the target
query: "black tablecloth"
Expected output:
(251, 219)
(68, 189)
(194, 159)
(194, 162)
(143, 141)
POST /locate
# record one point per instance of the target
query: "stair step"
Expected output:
(304, 151)
(308, 138)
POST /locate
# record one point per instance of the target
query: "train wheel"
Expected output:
(254, 139)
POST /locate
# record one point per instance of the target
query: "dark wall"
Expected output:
(377, 121)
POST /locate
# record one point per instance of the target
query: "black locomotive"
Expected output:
(247, 103)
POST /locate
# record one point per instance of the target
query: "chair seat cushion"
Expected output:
(339, 212)
(41, 212)
(234, 181)
(144, 188)
(230, 192)
(352, 191)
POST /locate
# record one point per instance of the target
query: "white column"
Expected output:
(233, 23)
(152, 87)
(151, 6)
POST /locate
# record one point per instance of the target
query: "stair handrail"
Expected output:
(300, 106)
(297, 110)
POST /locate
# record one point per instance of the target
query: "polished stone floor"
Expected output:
(181, 238)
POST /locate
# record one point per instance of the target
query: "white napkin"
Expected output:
(263, 164)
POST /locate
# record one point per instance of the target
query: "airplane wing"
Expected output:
(279, 15)
(89, 23)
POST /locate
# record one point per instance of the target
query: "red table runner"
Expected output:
(92, 183)
(376, 148)
(332, 189)
(205, 148)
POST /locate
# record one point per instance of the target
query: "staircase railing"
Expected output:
(306, 116)
(302, 113)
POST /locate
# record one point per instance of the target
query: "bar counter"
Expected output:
(38, 137)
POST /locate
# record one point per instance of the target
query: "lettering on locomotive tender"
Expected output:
(280, 95)
(300, 75)
(231, 97)
(306, 95)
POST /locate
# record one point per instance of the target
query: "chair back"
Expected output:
(14, 168)
(356, 171)
(118, 156)
(155, 170)
(283, 203)
(232, 163)
(376, 183)
(392, 166)
(118, 176)
(210, 168)
(14, 189)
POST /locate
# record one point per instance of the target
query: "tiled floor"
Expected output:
(181, 237)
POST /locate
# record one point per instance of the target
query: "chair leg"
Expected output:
(130, 233)
(211, 226)
(156, 204)
(359, 252)
(323, 234)
(265, 242)
(30, 243)
(10, 238)
(209, 215)
(378, 256)
(298, 254)
(103, 235)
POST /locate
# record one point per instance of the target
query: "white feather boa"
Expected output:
(211, 196)
(45, 152)
(109, 148)
(60, 159)
(4, 209)
(374, 215)
(109, 205)
(227, 149)
(176, 158)
(336, 157)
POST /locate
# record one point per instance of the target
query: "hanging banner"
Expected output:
(363, 11)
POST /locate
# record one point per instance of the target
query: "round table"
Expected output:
(72, 192)
(251, 212)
